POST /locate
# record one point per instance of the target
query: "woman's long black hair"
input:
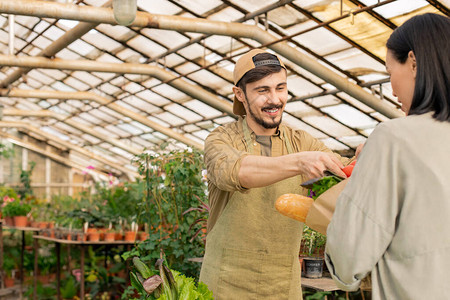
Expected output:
(428, 37)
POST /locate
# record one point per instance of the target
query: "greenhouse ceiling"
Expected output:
(74, 79)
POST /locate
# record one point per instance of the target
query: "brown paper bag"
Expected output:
(321, 211)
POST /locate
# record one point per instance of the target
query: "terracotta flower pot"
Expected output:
(118, 236)
(110, 236)
(94, 236)
(9, 221)
(143, 236)
(81, 237)
(130, 236)
(102, 232)
(8, 281)
(20, 221)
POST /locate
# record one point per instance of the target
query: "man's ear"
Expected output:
(413, 63)
(239, 93)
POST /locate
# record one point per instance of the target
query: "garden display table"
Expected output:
(82, 245)
(35, 230)
(324, 284)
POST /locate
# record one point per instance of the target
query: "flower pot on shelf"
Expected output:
(313, 267)
(8, 282)
(130, 236)
(20, 221)
(9, 221)
(118, 236)
(110, 236)
(94, 236)
(81, 237)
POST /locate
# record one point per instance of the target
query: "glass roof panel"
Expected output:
(168, 38)
(227, 14)
(333, 144)
(301, 87)
(400, 7)
(146, 46)
(101, 41)
(202, 109)
(153, 98)
(328, 125)
(182, 112)
(300, 125)
(350, 116)
(162, 7)
(81, 47)
(314, 40)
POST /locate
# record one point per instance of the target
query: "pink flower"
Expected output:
(90, 167)
(77, 274)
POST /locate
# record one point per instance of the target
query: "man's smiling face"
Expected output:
(264, 101)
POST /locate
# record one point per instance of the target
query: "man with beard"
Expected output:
(251, 249)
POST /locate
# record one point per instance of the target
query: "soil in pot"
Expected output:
(313, 267)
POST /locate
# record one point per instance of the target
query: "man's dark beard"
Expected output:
(261, 121)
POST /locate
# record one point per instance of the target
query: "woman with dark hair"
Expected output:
(393, 218)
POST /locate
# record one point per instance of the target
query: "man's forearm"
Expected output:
(258, 171)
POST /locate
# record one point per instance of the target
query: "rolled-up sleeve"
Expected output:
(223, 161)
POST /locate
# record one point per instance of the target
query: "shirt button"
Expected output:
(254, 144)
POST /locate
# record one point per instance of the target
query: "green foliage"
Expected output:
(174, 184)
(122, 202)
(6, 151)
(43, 292)
(324, 184)
(7, 192)
(8, 265)
(25, 178)
(16, 208)
(174, 285)
(6, 195)
(314, 241)
(69, 287)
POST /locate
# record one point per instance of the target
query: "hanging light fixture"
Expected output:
(124, 11)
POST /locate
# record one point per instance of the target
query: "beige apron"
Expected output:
(252, 250)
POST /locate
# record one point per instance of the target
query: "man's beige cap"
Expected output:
(244, 64)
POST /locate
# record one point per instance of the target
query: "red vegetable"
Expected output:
(353, 163)
(348, 170)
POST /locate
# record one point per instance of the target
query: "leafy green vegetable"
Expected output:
(174, 286)
(324, 184)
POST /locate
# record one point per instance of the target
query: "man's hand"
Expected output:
(359, 149)
(313, 164)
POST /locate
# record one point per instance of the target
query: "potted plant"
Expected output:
(9, 270)
(314, 244)
(18, 210)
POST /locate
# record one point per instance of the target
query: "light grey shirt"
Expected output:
(393, 218)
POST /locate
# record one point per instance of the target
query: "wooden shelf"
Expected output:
(70, 242)
(324, 284)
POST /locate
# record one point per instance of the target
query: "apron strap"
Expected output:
(247, 136)
(287, 142)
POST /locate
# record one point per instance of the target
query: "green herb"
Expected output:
(324, 184)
